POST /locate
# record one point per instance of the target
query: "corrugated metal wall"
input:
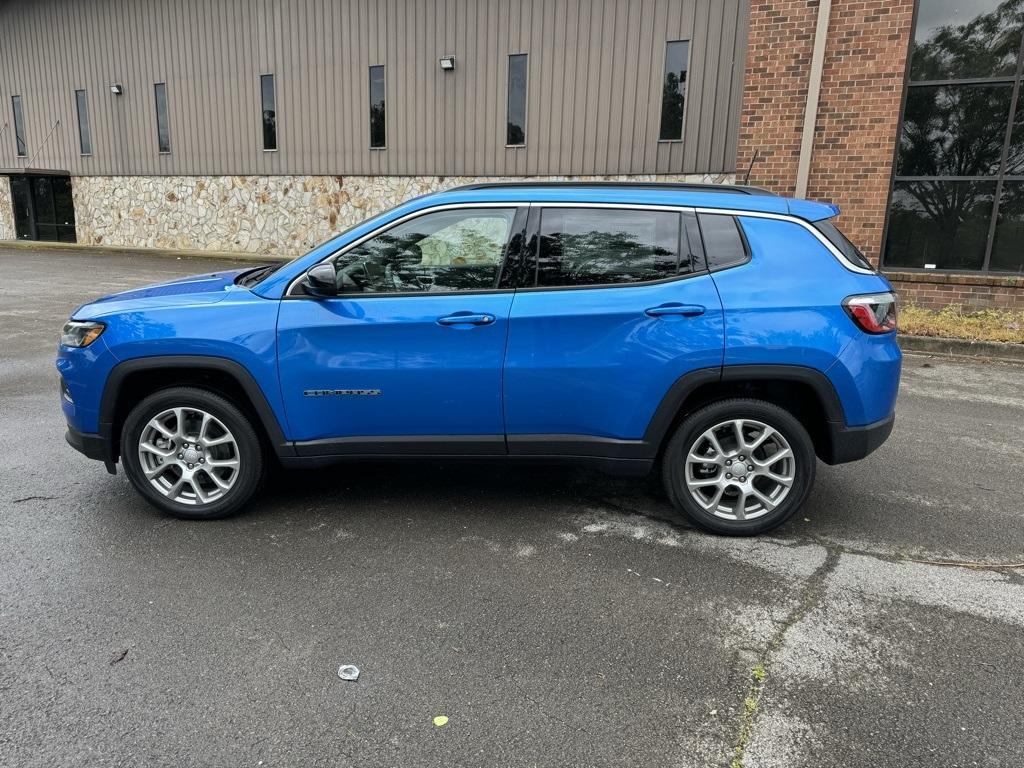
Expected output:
(594, 94)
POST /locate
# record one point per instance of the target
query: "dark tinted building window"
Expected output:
(516, 122)
(955, 200)
(84, 134)
(268, 99)
(673, 92)
(723, 243)
(378, 132)
(163, 123)
(20, 142)
(600, 246)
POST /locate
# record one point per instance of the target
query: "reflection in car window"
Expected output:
(598, 246)
(458, 250)
(723, 244)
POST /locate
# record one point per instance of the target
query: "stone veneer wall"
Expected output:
(271, 215)
(6, 210)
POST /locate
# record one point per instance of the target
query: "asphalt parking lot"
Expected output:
(556, 617)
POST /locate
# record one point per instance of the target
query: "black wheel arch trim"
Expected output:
(257, 398)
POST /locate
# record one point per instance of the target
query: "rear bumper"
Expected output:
(93, 446)
(853, 443)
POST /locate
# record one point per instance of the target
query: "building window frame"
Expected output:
(163, 118)
(1012, 79)
(268, 77)
(383, 100)
(20, 137)
(661, 100)
(525, 58)
(84, 124)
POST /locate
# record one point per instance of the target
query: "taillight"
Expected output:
(873, 312)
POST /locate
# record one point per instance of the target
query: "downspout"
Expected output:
(803, 170)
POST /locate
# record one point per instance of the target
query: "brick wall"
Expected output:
(937, 290)
(858, 112)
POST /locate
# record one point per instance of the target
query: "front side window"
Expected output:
(268, 99)
(378, 126)
(444, 251)
(163, 123)
(20, 142)
(600, 246)
(960, 159)
(515, 134)
(84, 134)
(673, 90)
(723, 243)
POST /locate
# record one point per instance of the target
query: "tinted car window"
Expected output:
(600, 246)
(458, 250)
(723, 243)
(842, 242)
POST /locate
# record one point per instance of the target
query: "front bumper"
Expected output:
(93, 446)
(853, 443)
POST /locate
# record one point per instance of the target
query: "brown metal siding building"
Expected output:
(268, 125)
(594, 79)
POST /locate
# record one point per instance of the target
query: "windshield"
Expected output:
(842, 242)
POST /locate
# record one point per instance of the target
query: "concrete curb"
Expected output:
(988, 350)
(38, 245)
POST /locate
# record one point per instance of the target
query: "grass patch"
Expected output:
(953, 322)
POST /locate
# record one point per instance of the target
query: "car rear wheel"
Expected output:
(739, 467)
(191, 453)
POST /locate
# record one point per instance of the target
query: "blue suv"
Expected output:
(723, 336)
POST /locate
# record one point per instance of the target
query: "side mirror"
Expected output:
(321, 281)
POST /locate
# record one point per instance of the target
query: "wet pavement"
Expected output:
(556, 617)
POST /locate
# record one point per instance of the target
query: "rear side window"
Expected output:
(724, 245)
(842, 242)
(601, 246)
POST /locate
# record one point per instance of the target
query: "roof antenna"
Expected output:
(746, 176)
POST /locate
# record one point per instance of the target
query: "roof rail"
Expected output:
(678, 186)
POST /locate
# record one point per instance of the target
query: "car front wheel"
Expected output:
(191, 453)
(739, 467)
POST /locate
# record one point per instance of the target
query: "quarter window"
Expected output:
(515, 134)
(20, 143)
(163, 127)
(445, 251)
(268, 99)
(378, 126)
(673, 90)
(598, 246)
(723, 243)
(84, 134)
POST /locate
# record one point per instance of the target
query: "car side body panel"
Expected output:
(784, 307)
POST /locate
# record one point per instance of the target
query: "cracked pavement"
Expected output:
(555, 617)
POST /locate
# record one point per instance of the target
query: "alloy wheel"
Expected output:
(740, 469)
(189, 456)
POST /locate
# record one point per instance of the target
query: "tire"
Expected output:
(774, 489)
(227, 464)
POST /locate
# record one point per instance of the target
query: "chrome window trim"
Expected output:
(795, 220)
(390, 225)
(836, 253)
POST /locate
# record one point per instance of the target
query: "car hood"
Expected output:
(195, 289)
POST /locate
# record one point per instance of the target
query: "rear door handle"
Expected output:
(466, 318)
(686, 310)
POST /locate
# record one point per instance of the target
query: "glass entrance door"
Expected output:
(43, 208)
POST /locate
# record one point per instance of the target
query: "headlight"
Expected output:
(80, 333)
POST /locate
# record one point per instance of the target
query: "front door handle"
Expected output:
(466, 318)
(686, 310)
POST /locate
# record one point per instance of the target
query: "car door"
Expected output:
(407, 358)
(619, 308)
